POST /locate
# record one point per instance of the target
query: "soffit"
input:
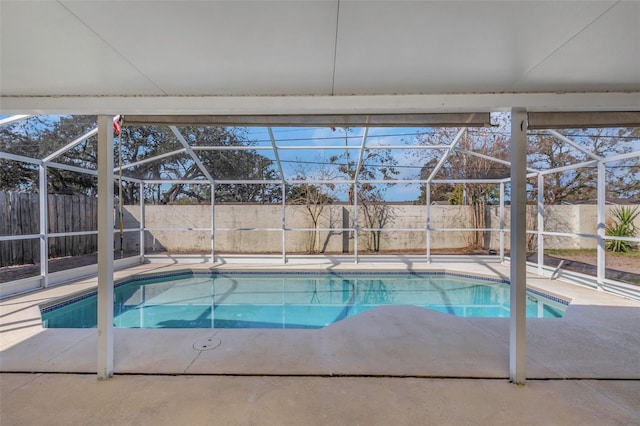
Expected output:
(132, 48)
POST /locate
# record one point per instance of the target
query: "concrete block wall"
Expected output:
(243, 219)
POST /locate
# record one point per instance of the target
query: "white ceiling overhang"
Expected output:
(317, 56)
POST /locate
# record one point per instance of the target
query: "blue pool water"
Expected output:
(289, 300)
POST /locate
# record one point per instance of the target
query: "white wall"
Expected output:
(244, 218)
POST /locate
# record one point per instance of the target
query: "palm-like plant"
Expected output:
(623, 226)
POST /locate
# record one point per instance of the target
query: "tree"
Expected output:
(460, 164)
(377, 214)
(40, 136)
(375, 164)
(439, 191)
(548, 152)
(145, 142)
(314, 198)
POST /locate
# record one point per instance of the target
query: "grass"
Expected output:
(631, 257)
(559, 252)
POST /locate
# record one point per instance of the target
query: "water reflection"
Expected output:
(291, 301)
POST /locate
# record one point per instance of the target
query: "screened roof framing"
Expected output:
(278, 148)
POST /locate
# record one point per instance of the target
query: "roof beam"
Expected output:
(444, 157)
(486, 157)
(621, 157)
(231, 148)
(361, 154)
(22, 158)
(416, 147)
(591, 163)
(148, 160)
(282, 105)
(583, 120)
(76, 142)
(71, 168)
(12, 119)
(317, 120)
(275, 153)
(192, 154)
(72, 144)
(313, 147)
(563, 138)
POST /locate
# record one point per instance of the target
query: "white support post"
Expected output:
(502, 222)
(105, 246)
(601, 220)
(355, 222)
(213, 222)
(141, 221)
(284, 222)
(517, 324)
(44, 225)
(428, 205)
(540, 223)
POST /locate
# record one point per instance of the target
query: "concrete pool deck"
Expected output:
(391, 365)
(597, 338)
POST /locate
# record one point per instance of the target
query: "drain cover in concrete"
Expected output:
(207, 344)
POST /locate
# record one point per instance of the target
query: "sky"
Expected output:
(314, 161)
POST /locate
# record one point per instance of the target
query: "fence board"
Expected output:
(16, 245)
(82, 222)
(5, 246)
(60, 226)
(27, 227)
(20, 215)
(53, 213)
(91, 216)
(75, 220)
(34, 208)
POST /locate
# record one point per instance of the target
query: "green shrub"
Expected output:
(623, 226)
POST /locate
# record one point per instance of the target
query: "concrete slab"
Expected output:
(391, 340)
(597, 338)
(53, 350)
(224, 400)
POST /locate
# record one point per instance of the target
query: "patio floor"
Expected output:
(72, 399)
(397, 364)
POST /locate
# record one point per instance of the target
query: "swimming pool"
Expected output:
(289, 300)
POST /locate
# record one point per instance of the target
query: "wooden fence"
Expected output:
(20, 215)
